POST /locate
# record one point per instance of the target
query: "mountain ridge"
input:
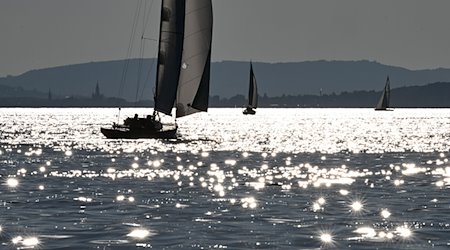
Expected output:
(433, 95)
(228, 78)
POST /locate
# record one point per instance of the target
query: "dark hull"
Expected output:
(249, 112)
(139, 133)
(384, 109)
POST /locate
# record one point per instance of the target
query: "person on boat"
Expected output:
(148, 122)
(132, 122)
(152, 123)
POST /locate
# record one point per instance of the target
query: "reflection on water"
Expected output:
(139, 233)
(285, 178)
(25, 243)
(270, 131)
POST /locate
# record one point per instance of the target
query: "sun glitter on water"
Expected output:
(25, 243)
(404, 232)
(318, 205)
(385, 213)
(276, 182)
(249, 202)
(139, 233)
(12, 182)
(357, 206)
(326, 238)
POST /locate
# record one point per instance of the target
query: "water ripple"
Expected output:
(300, 179)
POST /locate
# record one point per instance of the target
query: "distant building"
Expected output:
(96, 95)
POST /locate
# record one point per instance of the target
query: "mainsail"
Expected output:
(171, 35)
(193, 84)
(253, 90)
(383, 103)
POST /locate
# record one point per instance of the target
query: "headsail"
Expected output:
(193, 85)
(383, 103)
(253, 90)
(171, 37)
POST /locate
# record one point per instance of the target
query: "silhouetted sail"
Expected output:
(169, 56)
(252, 94)
(253, 90)
(193, 85)
(383, 103)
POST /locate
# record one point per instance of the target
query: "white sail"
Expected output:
(171, 36)
(383, 103)
(253, 90)
(193, 85)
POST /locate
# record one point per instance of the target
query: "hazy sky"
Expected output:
(408, 33)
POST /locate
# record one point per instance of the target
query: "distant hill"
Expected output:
(228, 78)
(435, 95)
(14, 92)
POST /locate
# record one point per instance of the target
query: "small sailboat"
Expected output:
(383, 103)
(183, 70)
(252, 94)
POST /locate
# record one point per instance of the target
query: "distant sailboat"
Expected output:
(383, 103)
(183, 69)
(252, 94)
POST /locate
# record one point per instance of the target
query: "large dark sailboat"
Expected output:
(383, 103)
(183, 70)
(252, 94)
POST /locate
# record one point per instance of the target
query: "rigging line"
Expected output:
(130, 48)
(152, 61)
(141, 59)
(143, 46)
(141, 52)
(150, 39)
(151, 69)
(148, 15)
(152, 64)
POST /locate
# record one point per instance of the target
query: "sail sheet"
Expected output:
(383, 103)
(193, 85)
(171, 36)
(253, 90)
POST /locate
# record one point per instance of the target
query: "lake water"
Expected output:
(282, 179)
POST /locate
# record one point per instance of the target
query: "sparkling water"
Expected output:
(281, 179)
